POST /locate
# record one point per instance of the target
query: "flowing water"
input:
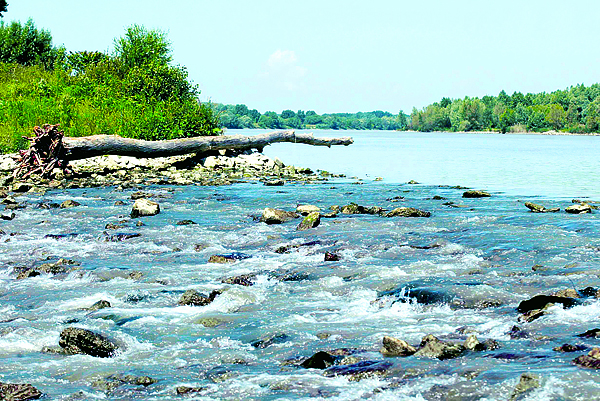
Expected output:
(475, 262)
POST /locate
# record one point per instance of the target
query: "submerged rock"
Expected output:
(112, 382)
(189, 391)
(535, 208)
(18, 392)
(476, 194)
(396, 347)
(312, 220)
(270, 340)
(144, 207)
(360, 370)
(407, 212)
(277, 216)
(81, 341)
(228, 258)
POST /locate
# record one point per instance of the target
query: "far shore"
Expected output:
(515, 133)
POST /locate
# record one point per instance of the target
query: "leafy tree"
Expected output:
(3, 7)
(288, 114)
(241, 110)
(141, 47)
(27, 45)
(556, 116)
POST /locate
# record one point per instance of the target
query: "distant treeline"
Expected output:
(239, 116)
(576, 109)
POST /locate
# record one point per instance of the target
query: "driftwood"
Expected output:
(49, 149)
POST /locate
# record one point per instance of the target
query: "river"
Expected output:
(462, 271)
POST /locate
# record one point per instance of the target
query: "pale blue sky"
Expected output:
(347, 56)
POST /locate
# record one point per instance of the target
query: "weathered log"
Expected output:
(49, 148)
(97, 145)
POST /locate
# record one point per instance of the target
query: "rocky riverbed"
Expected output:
(136, 279)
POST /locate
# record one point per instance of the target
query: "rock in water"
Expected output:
(527, 383)
(540, 302)
(432, 347)
(579, 209)
(396, 347)
(320, 360)
(274, 183)
(305, 210)
(82, 341)
(194, 298)
(591, 360)
(144, 207)
(407, 212)
(69, 203)
(535, 208)
(331, 257)
(18, 392)
(476, 194)
(311, 221)
(277, 216)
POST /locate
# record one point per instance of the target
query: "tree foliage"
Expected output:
(135, 92)
(239, 116)
(28, 45)
(3, 7)
(574, 109)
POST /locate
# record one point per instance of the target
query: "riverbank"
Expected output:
(218, 168)
(552, 132)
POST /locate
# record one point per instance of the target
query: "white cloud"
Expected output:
(283, 70)
(282, 58)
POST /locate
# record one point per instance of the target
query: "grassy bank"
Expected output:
(134, 93)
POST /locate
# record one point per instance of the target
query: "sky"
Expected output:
(347, 56)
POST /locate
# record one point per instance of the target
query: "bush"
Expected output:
(100, 94)
(27, 45)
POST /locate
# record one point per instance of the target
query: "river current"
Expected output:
(476, 258)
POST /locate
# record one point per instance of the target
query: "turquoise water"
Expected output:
(478, 258)
(528, 165)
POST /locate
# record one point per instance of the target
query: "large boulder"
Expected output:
(277, 216)
(144, 207)
(81, 341)
(407, 212)
(396, 347)
(311, 221)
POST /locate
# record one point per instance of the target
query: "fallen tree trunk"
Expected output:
(50, 149)
(97, 145)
